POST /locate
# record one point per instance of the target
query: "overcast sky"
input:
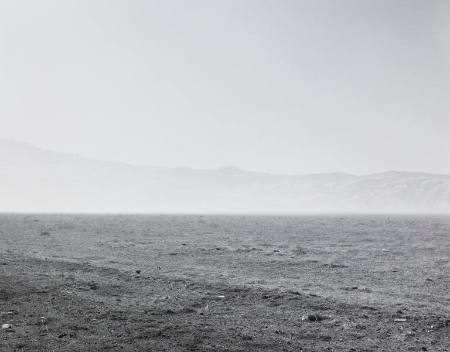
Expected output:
(281, 86)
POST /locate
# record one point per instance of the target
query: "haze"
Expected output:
(280, 86)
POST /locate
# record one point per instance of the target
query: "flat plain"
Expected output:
(224, 283)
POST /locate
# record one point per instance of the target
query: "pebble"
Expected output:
(6, 313)
(313, 317)
(93, 285)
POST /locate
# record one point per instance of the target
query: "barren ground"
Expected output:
(224, 283)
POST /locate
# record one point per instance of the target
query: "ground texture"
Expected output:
(224, 283)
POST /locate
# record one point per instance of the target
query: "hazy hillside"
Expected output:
(36, 180)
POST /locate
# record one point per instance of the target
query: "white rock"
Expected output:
(6, 326)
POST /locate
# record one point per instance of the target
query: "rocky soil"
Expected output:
(77, 283)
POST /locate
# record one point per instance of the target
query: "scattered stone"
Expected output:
(350, 288)
(294, 292)
(335, 265)
(6, 326)
(400, 320)
(6, 313)
(313, 317)
(188, 310)
(47, 320)
(138, 271)
(93, 285)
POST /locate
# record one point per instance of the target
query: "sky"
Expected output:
(278, 86)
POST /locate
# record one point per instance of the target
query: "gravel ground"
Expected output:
(224, 283)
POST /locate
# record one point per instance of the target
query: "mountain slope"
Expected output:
(32, 180)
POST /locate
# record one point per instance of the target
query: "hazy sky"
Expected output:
(281, 86)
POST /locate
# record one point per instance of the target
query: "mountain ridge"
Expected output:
(34, 179)
(29, 146)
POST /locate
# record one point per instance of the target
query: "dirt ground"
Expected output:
(224, 283)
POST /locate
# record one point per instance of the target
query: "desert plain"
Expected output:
(224, 283)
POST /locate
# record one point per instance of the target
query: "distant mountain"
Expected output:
(35, 180)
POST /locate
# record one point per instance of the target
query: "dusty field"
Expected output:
(224, 283)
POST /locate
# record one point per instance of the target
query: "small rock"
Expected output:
(400, 320)
(138, 271)
(313, 317)
(7, 313)
(93, 285)
(6, 326)
(45, 233)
